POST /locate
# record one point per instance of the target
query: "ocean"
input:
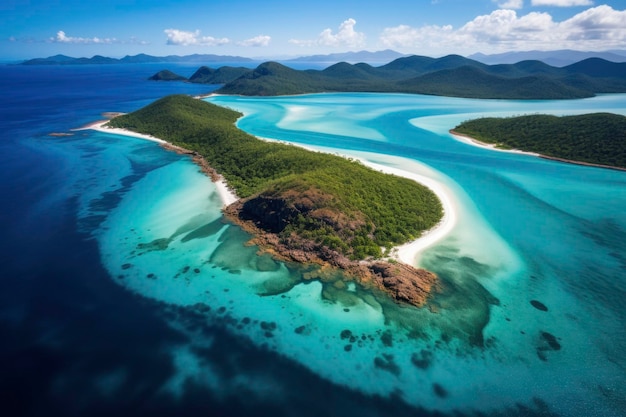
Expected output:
(124, 290)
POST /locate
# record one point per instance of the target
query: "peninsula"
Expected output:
(300, 205)
(596, 139)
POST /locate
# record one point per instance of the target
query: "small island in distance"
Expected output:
(596, 139)
(304, 206)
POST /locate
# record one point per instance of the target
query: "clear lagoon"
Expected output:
(530, 321)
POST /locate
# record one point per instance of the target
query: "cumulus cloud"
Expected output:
(185, 38)
(562, 3)
(509, 4)
(61, 37)
(258, 41)
(345, 36)
(597, 28)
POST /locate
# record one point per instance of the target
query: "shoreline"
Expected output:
(474, 142)
(226, 194)
(406, 253)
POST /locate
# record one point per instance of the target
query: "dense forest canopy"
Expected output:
(597, 138)
(335, 202)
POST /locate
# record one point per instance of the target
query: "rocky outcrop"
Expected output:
(405, 283)
(266, 218)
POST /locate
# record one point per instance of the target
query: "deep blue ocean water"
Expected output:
(93, 323)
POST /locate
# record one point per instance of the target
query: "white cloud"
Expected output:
(261, 40)
(345, 36)
(598, 28)
(509, 4)
(184, 38)
(598, 24)
(562, 3)
(61, 37)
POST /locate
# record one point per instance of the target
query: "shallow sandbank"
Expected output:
(226, 194)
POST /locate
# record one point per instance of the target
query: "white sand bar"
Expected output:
(490, 146)
(101, 127)
(408, 252)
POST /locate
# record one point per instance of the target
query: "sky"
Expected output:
(291, 28)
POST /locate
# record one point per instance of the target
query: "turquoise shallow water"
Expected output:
(534, 269)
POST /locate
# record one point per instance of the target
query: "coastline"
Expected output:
(408, 252)
(474, 142)
(226, 194)
(395, 273)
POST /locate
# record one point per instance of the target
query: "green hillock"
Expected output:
(334, 202)
(167, 75)
(222, 75)
(451, 75)
(597, 138)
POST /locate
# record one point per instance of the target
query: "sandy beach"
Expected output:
(471, 141)
(406, 253)
(225, 193)
(101, 127)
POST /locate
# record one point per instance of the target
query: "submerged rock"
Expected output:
(538, 305)
(266, 218)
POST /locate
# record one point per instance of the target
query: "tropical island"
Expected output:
(597, 139)
(300, 205)
(452, 75)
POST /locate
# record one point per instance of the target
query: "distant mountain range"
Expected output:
(135, 59)
(558, 58)
(452, 75)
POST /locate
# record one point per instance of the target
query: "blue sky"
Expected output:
(280, 28)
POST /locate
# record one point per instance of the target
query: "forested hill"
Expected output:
(598, 138)
(335, 203)
(452, 75)
(305, 206)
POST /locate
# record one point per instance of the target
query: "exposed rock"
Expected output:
(266, 216)
(404, 282)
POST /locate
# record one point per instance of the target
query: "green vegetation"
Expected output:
(452, 75)
(167, 75)
(335, 202)
(206, 75)
(598, 138)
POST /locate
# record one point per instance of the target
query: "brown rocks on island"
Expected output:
(266, 217)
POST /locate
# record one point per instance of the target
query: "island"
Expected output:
(596, 139)
(301, 205)
(452, 75)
